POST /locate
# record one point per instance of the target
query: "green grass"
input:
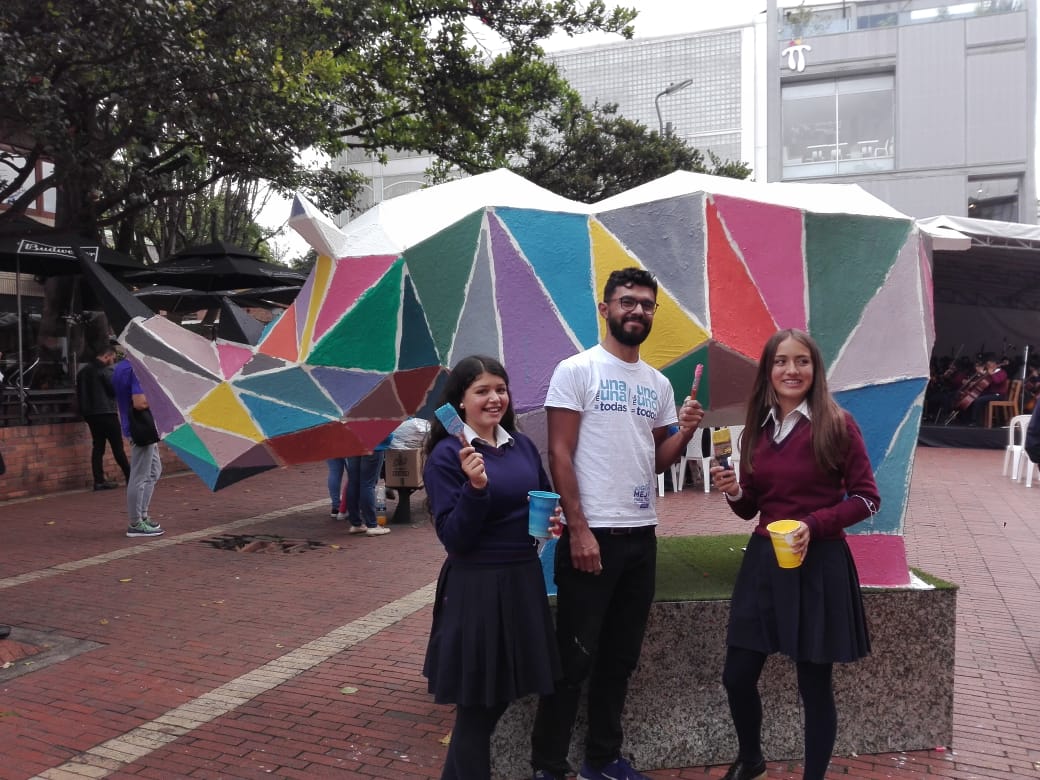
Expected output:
(698, 568)
(704, 568)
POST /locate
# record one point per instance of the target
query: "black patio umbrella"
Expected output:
(31, 247)
(176, 299)
(217, 266)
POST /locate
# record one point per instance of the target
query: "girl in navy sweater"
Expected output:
(802, 458)
(492, 639)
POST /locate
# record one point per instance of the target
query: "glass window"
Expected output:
(838, 126)
(994, 198)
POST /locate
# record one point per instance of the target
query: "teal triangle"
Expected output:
(880, 410)
(847, 258)
(186, 440)
(292, 384)
(680, 373)
(277, 419)
(417, 348)
(559, 250)
(440, 268)
(366, 336)
(206, 470)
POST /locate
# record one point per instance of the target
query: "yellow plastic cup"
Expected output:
(781, 532)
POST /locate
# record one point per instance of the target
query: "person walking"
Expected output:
(802, 457)
(97, 405)
(608, 416)
(145, 463)
(492, 637)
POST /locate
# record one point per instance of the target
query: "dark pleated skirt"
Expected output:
(811, 613)
(492, 639)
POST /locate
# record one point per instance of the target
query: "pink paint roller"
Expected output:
(451, 421)
(696, 380)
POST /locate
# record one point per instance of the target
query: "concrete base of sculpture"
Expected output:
(900, 698)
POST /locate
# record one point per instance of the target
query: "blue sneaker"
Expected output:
(618, 769)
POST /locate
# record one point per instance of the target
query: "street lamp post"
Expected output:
(671, 89)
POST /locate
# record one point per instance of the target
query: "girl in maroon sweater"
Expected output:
(802, 458)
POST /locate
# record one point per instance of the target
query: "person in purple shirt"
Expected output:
(802, 457)
(145, 461)
(492, 638)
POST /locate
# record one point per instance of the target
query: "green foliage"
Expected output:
(134, 102)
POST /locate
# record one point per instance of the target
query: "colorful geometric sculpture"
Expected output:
(494, 265)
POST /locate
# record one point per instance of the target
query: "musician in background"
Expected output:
(996, 389)
(1031, 388)
(953, 385)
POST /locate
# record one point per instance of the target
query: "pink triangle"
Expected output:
(770, 240)
(232, 357)
(351, 277)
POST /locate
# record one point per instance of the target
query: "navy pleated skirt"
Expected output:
(811, 613)
(492, 639)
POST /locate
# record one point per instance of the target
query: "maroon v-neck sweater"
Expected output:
(787, 484)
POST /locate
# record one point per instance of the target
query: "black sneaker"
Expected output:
(107, 485)
(741, 771)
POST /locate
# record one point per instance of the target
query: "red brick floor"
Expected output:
(222, 664)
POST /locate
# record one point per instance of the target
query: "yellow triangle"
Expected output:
(221, 409)
(675, 333)
(322, 275)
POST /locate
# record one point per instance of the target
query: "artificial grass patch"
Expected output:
(698, 568)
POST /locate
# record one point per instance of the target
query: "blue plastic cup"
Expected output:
(539, 511)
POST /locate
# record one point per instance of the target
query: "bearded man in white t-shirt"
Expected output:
(608, 416)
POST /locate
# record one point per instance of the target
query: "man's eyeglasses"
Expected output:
(628, 303)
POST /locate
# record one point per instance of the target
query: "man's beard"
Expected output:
(629, 339)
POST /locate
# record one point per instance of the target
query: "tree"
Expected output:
(135, 102)
(590, 153)
(138, 103)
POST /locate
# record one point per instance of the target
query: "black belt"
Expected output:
(632, 530)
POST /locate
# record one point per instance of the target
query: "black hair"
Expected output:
(629, 277)
(460, 378)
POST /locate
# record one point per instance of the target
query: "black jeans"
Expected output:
(105, 428)
(600, 623)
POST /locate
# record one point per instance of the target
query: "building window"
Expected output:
(841, 126)
(994, 198)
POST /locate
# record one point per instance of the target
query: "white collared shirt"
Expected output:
(784, 427)
(502, 436)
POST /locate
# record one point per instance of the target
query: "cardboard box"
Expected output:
(403, 468)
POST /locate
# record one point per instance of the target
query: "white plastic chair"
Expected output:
(660, 484)
(695, 452)
(1013, 450)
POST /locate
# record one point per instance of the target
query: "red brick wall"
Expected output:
(44, 459)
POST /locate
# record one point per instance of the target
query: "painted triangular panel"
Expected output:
(184, 389)
(440, 268)
(668, 238)
(478, 331)
(277, 419)
(674, 332)
(232, 474)
(280, 339)
(413, 386)
(847, 258)
(880, 410)
(435, 397)
(223, 410)
(261, 362)
(769, 238)
(198, 350)
(557, 247)
(534, 339)
(739, 317)
(730, 377)
(351, 277)
(345, 387)
(308, 300)
(164, 410)
(381, 403)
(232, 357)
(228, 447)
(366, 336)
(417, 347)
(928, 290)
(332, 440)
(204, 469)
(292, 386)
(144, 340)
(868, 356)
(892, 476)
(680, 376)
(186, 440)
(371, 433)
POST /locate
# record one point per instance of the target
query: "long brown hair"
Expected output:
(829, 432)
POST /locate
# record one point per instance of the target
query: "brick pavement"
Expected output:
(203, 663)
